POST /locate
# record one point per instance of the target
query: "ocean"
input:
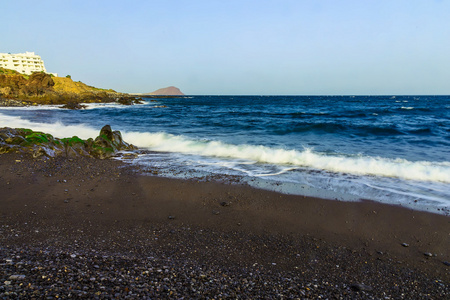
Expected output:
(390, 149)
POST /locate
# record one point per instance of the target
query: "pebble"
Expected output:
(360, 287)
(428, 254)
(405, 245)
(16, 277)
(104, 274)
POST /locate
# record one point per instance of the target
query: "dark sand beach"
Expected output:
(100, 229)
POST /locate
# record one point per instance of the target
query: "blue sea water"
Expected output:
(392, 149)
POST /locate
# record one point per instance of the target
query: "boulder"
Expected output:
(73, 105)
(108, 143)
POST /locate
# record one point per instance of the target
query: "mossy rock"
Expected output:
(106, 145)
(39, 138)
(72, 141)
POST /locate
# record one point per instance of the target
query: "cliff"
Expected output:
(42, 88)
(168, 91)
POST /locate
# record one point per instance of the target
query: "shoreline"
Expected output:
(88, 206)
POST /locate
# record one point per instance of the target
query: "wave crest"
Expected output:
(358, 164)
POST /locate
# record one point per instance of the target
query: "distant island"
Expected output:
(168, 91)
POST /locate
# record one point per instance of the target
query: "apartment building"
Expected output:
(25, 63)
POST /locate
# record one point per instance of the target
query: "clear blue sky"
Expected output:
(297, 47)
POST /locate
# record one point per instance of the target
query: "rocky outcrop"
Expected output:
(38, 144)
(42, 88)
(17, 86)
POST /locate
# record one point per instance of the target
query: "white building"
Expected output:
(25, 63)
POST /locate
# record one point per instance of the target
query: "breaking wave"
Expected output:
(164, 142)
(358, 164)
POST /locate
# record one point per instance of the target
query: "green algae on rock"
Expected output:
(36, 143)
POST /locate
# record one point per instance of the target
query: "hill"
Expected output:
(42, 88)
(168, 91)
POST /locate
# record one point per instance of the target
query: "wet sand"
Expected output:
(216, 240)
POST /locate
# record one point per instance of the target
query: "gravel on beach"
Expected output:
(96, 230)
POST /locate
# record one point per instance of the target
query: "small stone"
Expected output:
(225, 203)
(405, 245)
(16, 277)
(447, 263)
(7, 282)
(360, 287)
(171, 217)
(428, 254)
(215, 212)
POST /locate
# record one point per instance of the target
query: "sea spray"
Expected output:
(57, 129)
(356, 164)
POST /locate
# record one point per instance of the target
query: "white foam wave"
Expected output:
(56, 129)
(109, 105)
(163, 142)
(359, 165)
(33, 107)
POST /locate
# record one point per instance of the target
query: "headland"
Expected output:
(41, 88)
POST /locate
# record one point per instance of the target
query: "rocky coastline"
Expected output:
(43, 89)
(106, 145)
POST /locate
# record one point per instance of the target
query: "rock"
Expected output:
(215, 212)
(405, 245)
(428, 254)
(42, 80)
(360, 287)
(11, 102)
(16, 277)
(39, 144)
(73, 105)
(128, 100)
(171, 217)
(225, 203)
(108, 143)
(129, 155)
(447, 263)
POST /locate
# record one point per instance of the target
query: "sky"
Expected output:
(239, 47)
